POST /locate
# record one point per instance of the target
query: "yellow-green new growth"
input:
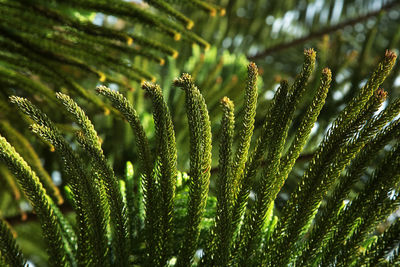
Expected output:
(91, 142)
(305, 126)
(321, 173)
(271, 143)
(167, 154)
(149, 184)
(222, 234)
(250, 103)
(25, 149)
(200, 165)
(87, 193)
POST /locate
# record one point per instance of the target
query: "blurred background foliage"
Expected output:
(73, 46)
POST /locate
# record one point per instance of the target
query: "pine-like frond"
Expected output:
(385, 244)
(150, 189)
(91, 142)
(200, 165)
(356, 220)
(9, 250)
(66, 38)
(267, 206)
(167, 154)
(254, 161)
(306, 125)
(24, 148)
(270, 183)
(254, 220)
(327, 215)
(321, 173)
(129, 113)
(220, 243)
(246, 133)
(39, 200)
(87, 194)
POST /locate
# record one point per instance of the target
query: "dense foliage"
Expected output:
(230, 164)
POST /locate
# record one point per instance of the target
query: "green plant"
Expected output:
(49, 38)
(242, 227)
(230, 180)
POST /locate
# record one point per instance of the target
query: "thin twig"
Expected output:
(317, 34)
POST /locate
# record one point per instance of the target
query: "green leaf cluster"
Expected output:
(158, 215)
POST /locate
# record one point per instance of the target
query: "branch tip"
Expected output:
(390, 55)
(326, 72)
(310, 54)
(184, 81)
(381, 94)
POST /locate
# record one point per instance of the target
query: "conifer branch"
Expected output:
(306, 125)
(24, 148)
(150, 189)
(345, 154)
(246, 182)
(382, 208)
(384, 179)
(253, 222)
(159, 216)
(129, 113)
(387, 242)
(206, 6)
(200, 164)
(275, 128)
(246, 132)
(39, 200)
(322, 32)
(87, 194)
(223, 221)
(95, 30)
(135, 14)
(373, 83)
(173, 12)
(313, 185)
(47, 68)
(300, 83)
(91, 142)
(25, 83)
(10, 253)
(327, 215)
(36, 49)
(68, 234)
(168, 165)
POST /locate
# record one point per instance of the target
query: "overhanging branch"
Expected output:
(321, 32)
